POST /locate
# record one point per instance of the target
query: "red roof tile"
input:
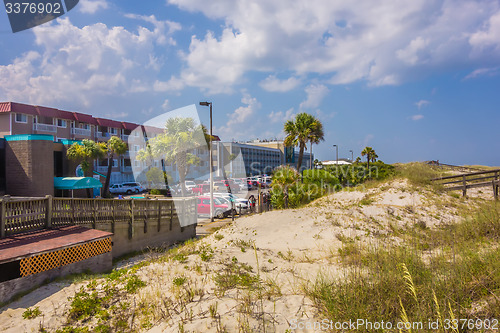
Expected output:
(54, 113)
(5, 107)
(109, 123)
(85, 118)
(129, 126)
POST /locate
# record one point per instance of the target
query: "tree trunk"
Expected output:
(301, 155)
(368, 163)
(105, 191)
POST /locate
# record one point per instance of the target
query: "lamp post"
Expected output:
(337, 153)
(352, 156)
(211, 166)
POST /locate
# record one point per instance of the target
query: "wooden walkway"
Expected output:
(471, 180)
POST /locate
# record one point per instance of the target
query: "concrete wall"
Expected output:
(29, 168)
(4, 124)
(100, 263)
(142, 238)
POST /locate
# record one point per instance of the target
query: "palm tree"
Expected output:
(370, 155)
(180, 137)
(305, 128)
(114, 146)
(85, 152)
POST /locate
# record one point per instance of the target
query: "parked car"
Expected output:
(133, 188)
(189, 185)
(221, 209)
(127, 188)
(201, 189)
(239, 203)
(116, 189)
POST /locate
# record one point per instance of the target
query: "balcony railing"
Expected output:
(80, 131)
(101, 135)
(127, 169)
(45, 128)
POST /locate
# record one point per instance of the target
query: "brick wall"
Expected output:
(29, 168)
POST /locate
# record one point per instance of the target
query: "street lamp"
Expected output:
(211, 166)
(352, 156)
(337, 150)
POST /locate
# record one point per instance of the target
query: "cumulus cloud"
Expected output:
(92, 6)
(242, 121)
(280, 116)
(379, 42)
(315, 94)
(81, 64)
(417, 117)
(273, 84)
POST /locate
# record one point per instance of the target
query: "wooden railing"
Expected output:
(24, 215)
(453, 167)
(471, 180)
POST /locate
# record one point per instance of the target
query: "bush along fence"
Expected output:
(126, 218)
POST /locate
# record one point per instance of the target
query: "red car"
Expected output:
(201, 189)
(221, 210)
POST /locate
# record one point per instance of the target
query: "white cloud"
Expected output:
(410, 53)
(281, 116)
(489, 36)
(380, 42)
(166, 105)
(417, 117)
(92, 6)
(79, 65)
(483, 72)
(315, 94)
(243, 120)
(420, 104)
(273, 84)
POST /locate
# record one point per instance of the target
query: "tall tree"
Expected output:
(114, 147)
(85, 153)
(181, 136)
(370, 155)
(303, 129)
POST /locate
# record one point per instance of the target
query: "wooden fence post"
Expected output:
(48, 211)
(2, 216)
(146, 207)
(94, 213)
(171, 213)
(113, 216)
(159, 213)
(131, 222)
(464, 190)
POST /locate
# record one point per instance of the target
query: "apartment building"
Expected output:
(67, 127)
(254, 157)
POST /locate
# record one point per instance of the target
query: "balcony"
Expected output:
(101, 135)
(45, 128)
(80, 131)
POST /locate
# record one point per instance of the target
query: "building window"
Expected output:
(21, 118)
(136, 148)
(115, 163)
(85, 126)
(113, 131)
(137, 164)
(61, 123)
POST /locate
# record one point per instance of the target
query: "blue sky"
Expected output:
(416, 81)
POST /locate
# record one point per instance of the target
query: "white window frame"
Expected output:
(23, 116)
(112, 131)
(63, 121)
(137, 164)
(137, 148)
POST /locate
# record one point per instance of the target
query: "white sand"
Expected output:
(292, 248)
